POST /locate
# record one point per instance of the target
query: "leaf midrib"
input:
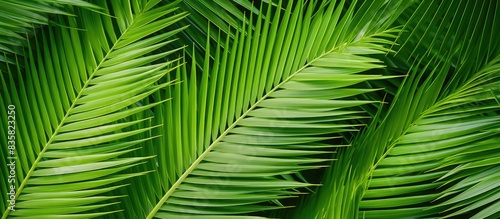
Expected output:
(68, 112)
(222, 135)
(423, 114)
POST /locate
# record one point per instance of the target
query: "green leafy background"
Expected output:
(237, 109)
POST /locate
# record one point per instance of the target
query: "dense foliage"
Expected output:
(238, 109)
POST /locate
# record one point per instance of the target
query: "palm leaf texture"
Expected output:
(430, 164)
(72, 108)
(230, 109)
(262, 137)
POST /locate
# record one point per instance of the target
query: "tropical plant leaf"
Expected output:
(255, 117)
(273, 90)
(407, 163)
(72, 109)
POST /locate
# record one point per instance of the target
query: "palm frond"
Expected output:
(446, 139)
(412, 160)
(72, 102)
(400, 99)
(262, 111)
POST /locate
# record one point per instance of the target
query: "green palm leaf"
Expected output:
(412, 162)
(80, 88)
(443, 137)
(256, 118)
(272, 92)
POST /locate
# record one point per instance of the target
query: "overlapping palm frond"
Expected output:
(412, 161)
(262, 110)
(270, 91)
(446, 135)
(74, 100)
(242, 166)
